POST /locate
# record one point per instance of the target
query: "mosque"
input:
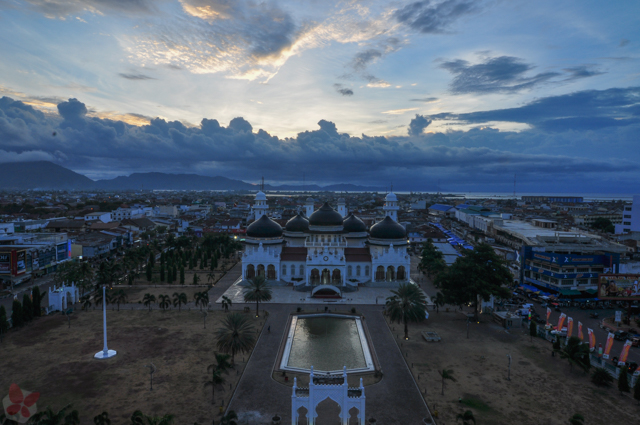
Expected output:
(326, 250)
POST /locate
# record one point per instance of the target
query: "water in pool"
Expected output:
(327, 344)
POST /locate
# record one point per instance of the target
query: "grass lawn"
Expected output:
(48, 357)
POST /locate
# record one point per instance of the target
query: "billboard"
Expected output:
(5, 262)
(619, 287)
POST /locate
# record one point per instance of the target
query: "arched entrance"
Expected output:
(326, 277)
(336, 278)
(251, 272)
(391, 274)
(315, 276)
(380, 273)
(261, 270)
(401, 273)
(271, 272)
(326, 291)
(328, 412)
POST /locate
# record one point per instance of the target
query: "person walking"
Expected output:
(269, 329)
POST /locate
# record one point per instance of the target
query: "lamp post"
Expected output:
(105, 353)
(509, 368)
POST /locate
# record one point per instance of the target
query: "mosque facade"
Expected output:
(326, 247)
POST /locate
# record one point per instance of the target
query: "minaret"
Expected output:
(342, 208)
(260, 206)
(391, 206)
(308, 207)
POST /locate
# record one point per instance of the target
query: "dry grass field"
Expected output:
(542, 389)
(57, 361)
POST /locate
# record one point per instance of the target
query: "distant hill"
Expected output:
(47, 175)
(41, 175)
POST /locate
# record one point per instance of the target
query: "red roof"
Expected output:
(359, 255)
(291, 253)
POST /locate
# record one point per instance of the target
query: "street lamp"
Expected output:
(509, 368)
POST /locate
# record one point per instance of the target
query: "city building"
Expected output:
(554, 199)
(630, 218)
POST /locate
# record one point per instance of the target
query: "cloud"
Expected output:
(345, 91)
(425, 99)
(363, 59)
(418, 124)
(398, 111)
(582, 71)
(136, 77)
(623, 42)
(433, 17)
(96, 145)
(60, 9)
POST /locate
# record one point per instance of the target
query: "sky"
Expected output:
(456, 95)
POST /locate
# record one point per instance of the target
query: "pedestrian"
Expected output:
(269, 329)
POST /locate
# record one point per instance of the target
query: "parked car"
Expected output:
(635, 342)
(620, 335)
(633, 366)
(540, 321)
(593, 315)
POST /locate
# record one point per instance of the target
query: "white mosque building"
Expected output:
(326, 249)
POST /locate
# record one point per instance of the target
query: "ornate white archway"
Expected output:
(322, 387)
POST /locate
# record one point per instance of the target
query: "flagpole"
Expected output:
(105, 353)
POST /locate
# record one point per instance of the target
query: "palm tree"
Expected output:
(148, 299)
(49, 417)
(179, 299)
(258, 291)
(216, 379)
(407, 304)
(467, 417)
(196, 278)
(85, 274)
(446, 374)
(211, 277)
(601, 377)
(102, 419)
(201, 299)
(86, 302)
(229, 419)
(236, 335)
(226, 303)
(120, 297)
(139, 418)
(438, 300)
(576, 419)
(164, 301)
(222, 362)
(577, 353)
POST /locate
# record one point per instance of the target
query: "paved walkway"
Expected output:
(394, 400)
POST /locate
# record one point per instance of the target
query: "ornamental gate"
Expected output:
(322, 387)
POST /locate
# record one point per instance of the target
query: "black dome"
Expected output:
(297, 224)
(264, 227)
(354, 224)
(387, 229)
(325, 216)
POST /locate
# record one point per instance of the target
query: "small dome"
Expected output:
(325, 216)
(391, 197)
(341, 201)
(353, 224)
(309, 200)
(264, 227)
(297, 224)
(387, 229)
(260, 196)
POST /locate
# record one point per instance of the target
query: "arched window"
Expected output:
(366, 270)
(271, 272)
(315, 276)
(261, 270)
(380, 273)
(301, 270)
(401, 273)
(349, 271)
(391, 273)
(284, 270)
(293, 270)
(251, 272)
(357, 270)
(336, 278)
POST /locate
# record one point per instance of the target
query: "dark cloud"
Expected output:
(136, 77)
(378, 121)
(582, 71)
(418, 124)
(433, 17)
(363, 59)
(623, 42)
(425, 99)
(345, 91)
(503, 74)
(474, 157)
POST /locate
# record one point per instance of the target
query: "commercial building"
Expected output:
(554, 199)
(630, 217)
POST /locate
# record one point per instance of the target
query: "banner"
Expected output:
(607, 346)
(569, 327)
(625, 353)
(618, 317)
(548, 314)
(580, 335)
(619, 287)
(561, 321)
(592, 339)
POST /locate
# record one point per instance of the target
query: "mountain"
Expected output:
(41, 175)
(163, 181)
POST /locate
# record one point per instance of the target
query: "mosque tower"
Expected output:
(342, 207)
(260, 206)
(391, 206)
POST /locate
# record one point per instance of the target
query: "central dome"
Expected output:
(297, 224)
(325, 216)
(264, 227)
(387, 229)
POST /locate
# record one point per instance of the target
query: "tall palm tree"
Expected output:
(211, 277)
(201, 299)
(98, 299)
(222, 362)
(216, 379)
(164, 301)
(179, 299)
(438, 300)
(85, 274)
(258, 290)
(235, 336)
(226, 303)
(446, 374)
(120, 297)
(86, 302)
(102, 419)
(467, 418)
(148, 299)
(407, 304)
